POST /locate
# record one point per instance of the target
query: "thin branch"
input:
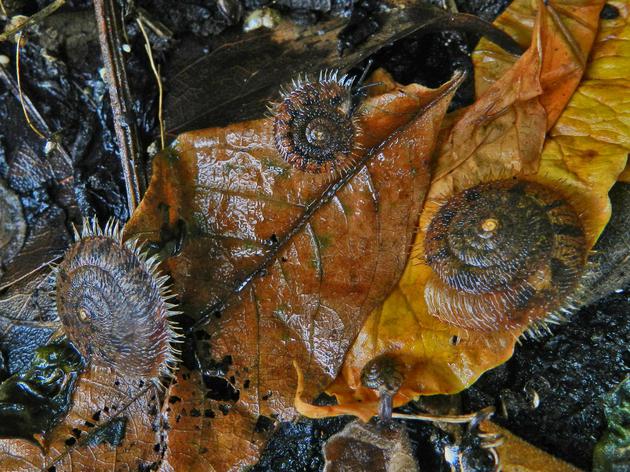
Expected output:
(456, 419)
(124, 124)
(19, 86)
(156, 73)
(37, 17)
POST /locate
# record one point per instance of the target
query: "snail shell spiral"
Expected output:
(112, 304)
(505, 253)
(314, 128)
(384, 373)
(12, 225)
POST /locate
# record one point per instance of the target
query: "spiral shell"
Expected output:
(12, 225)
(314, 127)
(384, 373)
(112, 304)
(504, 254)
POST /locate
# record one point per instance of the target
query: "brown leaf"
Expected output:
(107, 411)
(505, 128)
(290, 263)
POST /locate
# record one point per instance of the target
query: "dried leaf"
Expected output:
(501, 135)
(272, 251)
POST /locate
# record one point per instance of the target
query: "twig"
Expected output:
(120, 97)
(155, 25)
(40, 15)
(457, 419)
(156, 72)
(19, 86)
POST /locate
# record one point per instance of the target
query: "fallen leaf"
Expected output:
(499, 136)
(269, 255)
(112, 423)
(237, 78)
(598, 112)
(517, 455)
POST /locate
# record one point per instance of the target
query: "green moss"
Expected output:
(612, 452)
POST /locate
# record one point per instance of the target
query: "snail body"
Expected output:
(505, 253)
(112, 304)
(12, 225)
(314, 126)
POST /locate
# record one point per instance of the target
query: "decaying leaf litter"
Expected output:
(218, 368)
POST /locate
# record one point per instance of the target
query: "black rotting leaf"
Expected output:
(112, 433)
(32, 402)
(27, 319)
(238, 77)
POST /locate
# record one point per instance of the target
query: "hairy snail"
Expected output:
(112, 303)
(314, 125)
(504, 253)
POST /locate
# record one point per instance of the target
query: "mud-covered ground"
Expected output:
(62, 77)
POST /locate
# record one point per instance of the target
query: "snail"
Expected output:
(504, 254)
(385, 374)
(314, 126)
(112, 303)
(12, 225)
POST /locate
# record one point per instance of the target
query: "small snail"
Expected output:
(505, 253)
(12, 225)
(385, 374)
(314, 126)
(112, 304)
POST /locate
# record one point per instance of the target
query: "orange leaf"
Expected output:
(272, 252)
(499, 136)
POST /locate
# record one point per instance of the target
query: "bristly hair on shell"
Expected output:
(315, 126)
(106, 284)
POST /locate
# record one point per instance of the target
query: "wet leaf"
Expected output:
(32, 402)
(499, 136)
(105, 410)
(597, 115)
(516, 454)
(269, 254)
(27, 319)
(242, 72)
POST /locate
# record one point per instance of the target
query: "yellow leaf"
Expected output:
(599, 111)
(583, 155)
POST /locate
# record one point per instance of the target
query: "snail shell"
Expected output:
(314, 127)
(12, 225)
(112, 304)
(504, 254)
(384, 373)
